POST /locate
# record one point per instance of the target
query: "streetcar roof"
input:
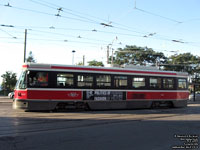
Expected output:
(108, 70)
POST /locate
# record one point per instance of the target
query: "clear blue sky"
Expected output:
(77, 26)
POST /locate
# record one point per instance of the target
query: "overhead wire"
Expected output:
(100, 31)
(71, 17)
(62, 10)
(39, 32)
(51, 5)
(109, 25)
(151, 13)
(14, 37)
(66, 35)
(72, 12)
(45, 13)
(93, 21)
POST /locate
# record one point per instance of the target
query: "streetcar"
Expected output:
(54, 87)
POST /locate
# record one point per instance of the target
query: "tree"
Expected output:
(9, 81)
(80, 64)
(31, 58)
(184, 62)
(138, 56)
(95, 63)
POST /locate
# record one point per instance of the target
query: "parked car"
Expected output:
(11, 95)
(197, 97)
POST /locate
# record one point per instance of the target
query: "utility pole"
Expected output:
(112, 57)
(194, 92)
(73, 51)
(108, 54)
(83, 60)
(25, 45)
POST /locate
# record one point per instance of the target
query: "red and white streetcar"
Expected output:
(51, 87)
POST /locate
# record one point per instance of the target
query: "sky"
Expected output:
(55, 28)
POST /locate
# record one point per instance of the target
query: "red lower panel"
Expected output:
(77, 95)
(157, 95)
(65, 95)
(20, 94)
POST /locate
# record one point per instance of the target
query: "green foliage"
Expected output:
(80, 64)
(135, 55)
(95, 63)
(184, 62)
(31, 58)
(138, 56)
(9, 81)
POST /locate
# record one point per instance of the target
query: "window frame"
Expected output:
(173, 84)
(85, 86)
(141, 87)
(69, 86)
(118, 80)
(156, 87)
(103, 87)
(186, 85)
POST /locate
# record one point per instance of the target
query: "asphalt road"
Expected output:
(147, 129)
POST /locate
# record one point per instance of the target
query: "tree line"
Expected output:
(144, 56)
(10, 79)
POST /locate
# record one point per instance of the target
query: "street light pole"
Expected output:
(73, 51)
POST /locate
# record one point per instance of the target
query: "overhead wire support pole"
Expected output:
(25, 45)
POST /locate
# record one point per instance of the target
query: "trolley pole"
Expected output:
(25, 45)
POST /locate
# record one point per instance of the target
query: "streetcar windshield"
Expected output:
(22, 82)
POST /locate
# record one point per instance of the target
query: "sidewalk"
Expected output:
(5, 99)
(194, 102)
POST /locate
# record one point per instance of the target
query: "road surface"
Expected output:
(145, 129)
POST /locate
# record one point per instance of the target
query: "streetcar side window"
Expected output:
(84, 81)
(65, 80)
(38, 79)
(182, 83)
(138, 82)
(155, 82)
(168, 83)
(120, 81)
(103, 80)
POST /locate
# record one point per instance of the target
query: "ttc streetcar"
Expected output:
(53, 87)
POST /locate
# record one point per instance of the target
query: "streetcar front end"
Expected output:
(21, 94)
